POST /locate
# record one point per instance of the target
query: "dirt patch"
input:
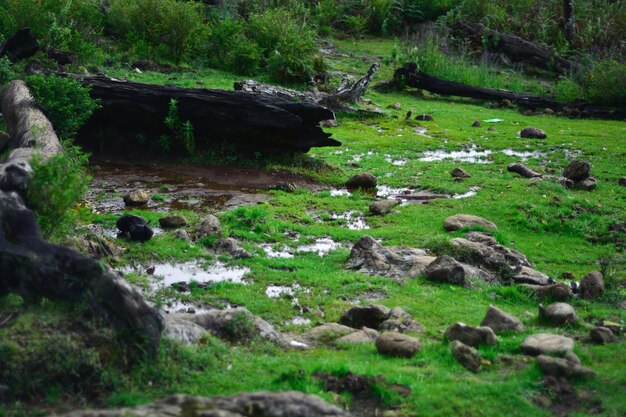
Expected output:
(561, 398)
(364, 390)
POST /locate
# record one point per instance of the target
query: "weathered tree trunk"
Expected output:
(347, 93)
(34, 268)
(19, 46)
(569, 24)
(250, 122)
(514, 47)
(410, 76)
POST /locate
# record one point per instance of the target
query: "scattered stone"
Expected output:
(621, 181)
(210, 226)
(459, 221)
(395, 106)
(561, 367)
(526, 275)
(395, 344)
(364, 335)
(182, 235)
(601, 335)
(232, 248)
(531, 132)
(383, 207)
(565, 182)
(424, 117)
(371, 316)
(329, 123)
(327, 333)
(587, 184)
(476, 123)
(135, 227)
(401, 322)
(101, 247)
(616, 328)
(486, 252)
(558, 313)
(546, 343)
(136, 198)
(592, 285)
(364, 181)
(465, 355)
(183, 330)
(558, 292)
(446, 269)
(499, 321)
(577, 170)
(471, 336)
(460, 173)
(491, 129)
(173, 222)
(523, 170)
(548, 110)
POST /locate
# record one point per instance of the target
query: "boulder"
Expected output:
(546, 343)
(396, 344)
(471, 336)
(210, 226)
(577, 170)
(446, 269)
(383, 207)
(487, 253)
(561, 367)
(173, 222)
(137, 198)
(364, 335)
(182, 235)
(499, 321)
(465, 355)
(621, 181)
(424, 117)
(135, 227)
(183, 330)
(587, 184)
(601, 335)
(364, 181)
(592, 285)
(557, 292)
(371, 316)
(400, 321)
(265, 404)
(231, 247)
(527, 275)
(460, 173)
(459, 221)
(476, 123)
(531, 132)
(327, 333)
(558, 313)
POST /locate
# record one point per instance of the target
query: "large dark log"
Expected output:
(19, 46)
(347, 93)
(410, 76)
(514, 47)
(34, 268)
(250, 122)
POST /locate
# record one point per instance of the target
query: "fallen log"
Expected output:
(20, 46)
(34, 268)
(514, 47)
(522, 170)
(410, 76)
(249, 122)
(347, 93)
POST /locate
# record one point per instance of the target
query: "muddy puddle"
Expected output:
(470, 155)
(353, 220)
(180, 275)
(321, 247)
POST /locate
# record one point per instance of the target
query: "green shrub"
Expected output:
(568, 90)
(56, 185)
(166, 29)
(6, 71)
(65, 101)
(606, 83)
(229, 48)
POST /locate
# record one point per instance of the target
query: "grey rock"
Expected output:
(210, 226)
(460, 173)
(370, 257)
(401, 322)
(527, 275)
(499, 321)
(522, 170)
(364, 335)
(459, 221)
(173, 222)
(601, 335)
(371, 316)
(327, 333)
(265, 404)
(587, 184)
(465, 355)
(531, 132)
(182, 235)
(561, 367)
(424, 117)
(577, 170)
(476, 123)
(546, 343)
(558, 292)
(396, 344)
(592, 285)
(471, 336)
(489, 254)
(136, 198)
(446, 269)
(558, 313)
(565, 182)
(362, 181)
(383, 207)
(231, 247)
(622, 181)
(183, 330)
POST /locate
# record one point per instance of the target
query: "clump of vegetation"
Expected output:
(6, 71)
(240, 328)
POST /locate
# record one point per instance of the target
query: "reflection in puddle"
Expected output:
(471, 193)
(396, 162)
(421, 131)
(272, 252)
(168, 274)
(298, 321)
(353, 220)
(471, 155)
(339, 192)
(321, 246)
(385, 191)
(177, 306)
(524, 155)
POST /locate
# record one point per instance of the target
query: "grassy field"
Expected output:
(555, 227)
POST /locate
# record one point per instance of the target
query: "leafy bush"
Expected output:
(166, 29)
(568, 90)
(56, 185)
(6, 71)
(606, 83)
(229, 48)
(65, 101)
